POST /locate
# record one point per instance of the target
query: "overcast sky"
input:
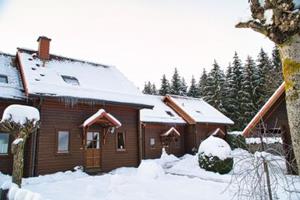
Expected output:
(143, 38)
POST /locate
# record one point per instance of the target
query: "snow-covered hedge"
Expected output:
(215, 155)
(236, 141)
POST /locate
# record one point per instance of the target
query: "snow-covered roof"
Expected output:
(160, 113)
(171, 130)
(66, 77)
(13, 89)
(200, 111)
(100, 114)
(261, 113)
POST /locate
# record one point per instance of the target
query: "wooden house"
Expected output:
(179, 124)
(89, 113)
(11, 92)
(161, 127)
(272, 120)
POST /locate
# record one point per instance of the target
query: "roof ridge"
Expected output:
(66, 58)
(7, 54)
(185, 97)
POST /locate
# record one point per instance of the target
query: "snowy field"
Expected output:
(168, 178)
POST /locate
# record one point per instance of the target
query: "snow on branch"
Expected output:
(20, 114)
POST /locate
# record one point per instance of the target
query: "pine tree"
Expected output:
(248, 100)
(165, 86)
(193, 90)
(277, 69)
(229, 96)
(183, 87)
(214, 87)
(265, 80)
(202, 84)
(236, 92)
(153, 89)
(175, 83)
(147, 88)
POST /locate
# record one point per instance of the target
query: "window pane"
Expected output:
(4, 139)
(3, 79)
(70, 80)
(152, 141)
(121, 141)
(63, 141)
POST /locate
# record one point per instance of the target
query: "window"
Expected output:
(70, 80)
(4, 139)
(3, 79)
(152, 142)
(121, 141)
(93, 140)
(63, 142)
(170, 113)
(177, 142)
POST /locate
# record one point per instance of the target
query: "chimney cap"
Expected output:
(43, 37)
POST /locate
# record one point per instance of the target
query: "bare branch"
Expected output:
(258, 27)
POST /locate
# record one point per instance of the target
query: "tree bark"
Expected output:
(290, 55)
(18, 164)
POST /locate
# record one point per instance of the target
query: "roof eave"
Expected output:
(255, 120)
(136, 105)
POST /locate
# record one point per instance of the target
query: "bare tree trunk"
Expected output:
(265, 164)
(290, 55)
(18, 164)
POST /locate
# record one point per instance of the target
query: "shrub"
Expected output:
(236, 141)
(215, 164)
(215, 155)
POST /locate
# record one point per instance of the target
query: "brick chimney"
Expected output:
(44, 48)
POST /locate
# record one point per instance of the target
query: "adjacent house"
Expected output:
(272, 120)
(179, 124)
(11, 91)
(162, 127)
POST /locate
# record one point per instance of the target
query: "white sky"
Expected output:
(143, 38)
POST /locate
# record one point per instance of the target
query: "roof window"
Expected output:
(70, 80)
(170, 113)
(3, 79)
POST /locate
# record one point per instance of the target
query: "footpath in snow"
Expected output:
(167, 178)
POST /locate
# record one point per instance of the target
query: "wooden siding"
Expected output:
(202, 131)
(154, 130)
(58, 116)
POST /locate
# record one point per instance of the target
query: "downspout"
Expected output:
(35, 143)
(140, 138)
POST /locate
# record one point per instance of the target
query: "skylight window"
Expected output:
(3, 79)
(70, 80)
(170, 113)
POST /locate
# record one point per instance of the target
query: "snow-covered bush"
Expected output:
(236, 141)
(149, 169)
(215, 155)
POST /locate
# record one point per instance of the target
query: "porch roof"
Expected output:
(171, 130)
(101, 116)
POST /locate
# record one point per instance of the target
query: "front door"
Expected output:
(92, 150)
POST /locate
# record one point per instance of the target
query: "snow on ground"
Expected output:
(167, 178)
(267, 140)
